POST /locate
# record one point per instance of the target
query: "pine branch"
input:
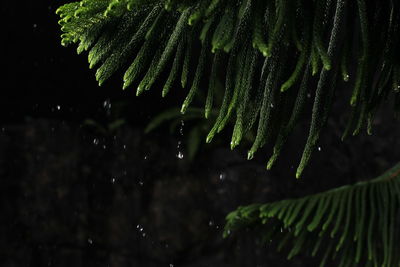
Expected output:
(356, 224)
(268, 50)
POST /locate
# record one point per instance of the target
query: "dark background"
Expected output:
(74, 195)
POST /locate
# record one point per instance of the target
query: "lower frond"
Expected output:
(356, 224)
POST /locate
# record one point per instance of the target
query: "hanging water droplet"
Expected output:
(210, 223)
(319, 148)
(144, 235)
(96, 141)
(272, 105)
(113, 180)
(222, 176)
(58, 107)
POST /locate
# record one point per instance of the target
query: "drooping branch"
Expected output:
(265, 53)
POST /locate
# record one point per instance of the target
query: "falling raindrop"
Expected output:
(181, 128)
(210, 223)
(139, 227)
(96, 141)
(222, 176)
(58, 107)
(319, 148)
(141, 183)
(107, 106)
(90, 241)
(179, 155)
(113, 180)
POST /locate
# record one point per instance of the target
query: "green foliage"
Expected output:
(267, 55)
(355, 224)
(264, 50)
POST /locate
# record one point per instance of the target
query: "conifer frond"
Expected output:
(340, 224)
(261, 51)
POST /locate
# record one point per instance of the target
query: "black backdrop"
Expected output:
(39, 74)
